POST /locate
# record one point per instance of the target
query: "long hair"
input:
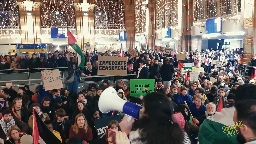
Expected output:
(157, 125)
(75, 126)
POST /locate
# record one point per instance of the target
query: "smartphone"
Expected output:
(111, 137)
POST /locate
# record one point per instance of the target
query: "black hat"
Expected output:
(130, 62)
(231, 96)
(142, 61)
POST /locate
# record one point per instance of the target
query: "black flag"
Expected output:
(45, 133)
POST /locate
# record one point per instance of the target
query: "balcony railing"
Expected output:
(48, 30)
(9, 30)
(109, 29)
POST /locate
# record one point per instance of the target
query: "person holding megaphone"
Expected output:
(154, 123)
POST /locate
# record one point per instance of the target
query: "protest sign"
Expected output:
(2, 104)
(109, 65)
(102, 124)
(197, 69)
(194, 76)
(181, 56)
(51, 79)
(168, 50)
(140, 87)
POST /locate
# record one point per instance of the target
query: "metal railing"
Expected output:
(21, 77)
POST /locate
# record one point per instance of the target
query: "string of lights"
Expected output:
(140, 17)
(211, 9)
(166, 13)
(171, 14)
(199, 10)
(57, 13)
(160, 14)
(226, 7)
(109, 14)
(9, 14)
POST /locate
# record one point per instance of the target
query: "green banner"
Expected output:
(140, 87)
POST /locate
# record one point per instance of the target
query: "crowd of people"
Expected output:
(177, 112)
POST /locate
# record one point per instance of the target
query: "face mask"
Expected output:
(2, 62)
(175, 92)
(240, 138)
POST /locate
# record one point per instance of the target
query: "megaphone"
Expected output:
(109, 100)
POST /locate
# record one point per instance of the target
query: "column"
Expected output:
(80, 22)
(152, 22)
(248, 9)
(85, 24)
(91, 28)
(187, 22)
(129, 11)
(27, 22)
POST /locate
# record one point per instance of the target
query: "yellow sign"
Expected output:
(32, 50)
(231, 130)
(12, 50)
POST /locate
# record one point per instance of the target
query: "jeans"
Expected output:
(73, 87)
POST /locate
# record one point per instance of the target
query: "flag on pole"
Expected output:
(121, 51)
(72, 42)
(41, 130)
(35, 129)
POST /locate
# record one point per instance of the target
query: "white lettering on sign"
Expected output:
(102, 130)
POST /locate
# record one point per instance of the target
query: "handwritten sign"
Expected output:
(109, 65)
(140, 87)
(52, 79)
(194, 76)
(231, 130)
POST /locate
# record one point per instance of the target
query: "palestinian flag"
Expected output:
(40, 129)
(72, 42)
(218, 129)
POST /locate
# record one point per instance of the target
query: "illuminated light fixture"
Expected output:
(86, 6)
(28, 5)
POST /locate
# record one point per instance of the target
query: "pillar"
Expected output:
(80, 22)
(85, 24)
(129, 12)
(152, 22)
(249, 18)
(187, 22)
(30, 22)
(91, 15)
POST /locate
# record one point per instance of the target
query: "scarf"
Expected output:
(140, 70)
(5, 126)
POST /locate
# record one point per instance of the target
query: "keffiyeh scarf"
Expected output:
(5, 126)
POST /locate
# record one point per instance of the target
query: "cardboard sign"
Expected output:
(140, 87)
(51, 79)
(193, 76)
(197, 69)
(168, 50)
(102, 124)
(109, 65)
(213, 80)
(181, 56)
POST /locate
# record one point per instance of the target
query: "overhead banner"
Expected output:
(31, 47)
(110, 65)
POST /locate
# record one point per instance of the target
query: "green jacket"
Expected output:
(214, 129)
